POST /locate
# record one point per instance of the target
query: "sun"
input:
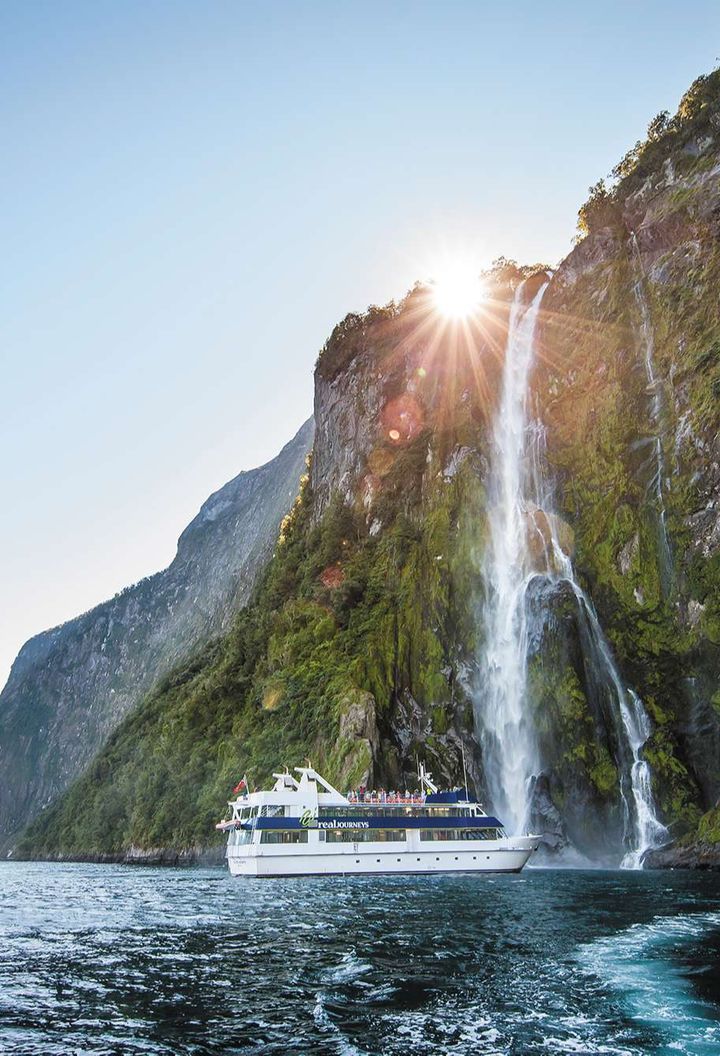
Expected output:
(458, 289)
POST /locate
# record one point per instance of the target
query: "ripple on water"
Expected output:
(645, 963)
(119, 960)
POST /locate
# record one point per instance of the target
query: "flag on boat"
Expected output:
(242, 783)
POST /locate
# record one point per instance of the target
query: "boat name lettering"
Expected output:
(343, 824)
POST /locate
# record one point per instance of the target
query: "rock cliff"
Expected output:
(71, 686)
(363, 643)
(630, 396)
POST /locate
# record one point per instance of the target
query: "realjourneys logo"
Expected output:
(309, 821)
(332, 824)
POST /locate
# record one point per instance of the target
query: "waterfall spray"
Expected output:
(519, 489)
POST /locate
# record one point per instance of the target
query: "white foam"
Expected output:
(652, 988)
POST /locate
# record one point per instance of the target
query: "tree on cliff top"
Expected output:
(697, 117)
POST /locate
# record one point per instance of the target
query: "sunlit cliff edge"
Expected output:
(360, 646)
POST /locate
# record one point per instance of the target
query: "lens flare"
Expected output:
(458, 290)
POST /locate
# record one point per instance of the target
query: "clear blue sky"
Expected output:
(194, 193)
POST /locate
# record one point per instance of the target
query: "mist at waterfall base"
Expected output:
(168, 962)
(521, 583)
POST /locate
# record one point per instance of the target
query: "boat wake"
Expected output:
(642, 966)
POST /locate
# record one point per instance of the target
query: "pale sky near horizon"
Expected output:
(193, 194)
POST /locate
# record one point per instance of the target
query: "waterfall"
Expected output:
(509, 745)
(642, 828)
(520, 505)
(657, 480)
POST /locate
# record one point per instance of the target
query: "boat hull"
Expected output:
(261, 861)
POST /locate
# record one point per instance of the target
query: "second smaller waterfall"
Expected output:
(642, 829)
(657, 474)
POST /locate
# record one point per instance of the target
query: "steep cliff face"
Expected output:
(630, 395)
(356, 647)
(367, 640)
(70, 687)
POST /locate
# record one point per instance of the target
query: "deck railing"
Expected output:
(386, 797)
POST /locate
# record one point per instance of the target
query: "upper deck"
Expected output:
(312, 802)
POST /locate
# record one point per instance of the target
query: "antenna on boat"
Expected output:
(426, 779)
(465, 784)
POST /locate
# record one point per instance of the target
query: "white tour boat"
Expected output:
(305, 827)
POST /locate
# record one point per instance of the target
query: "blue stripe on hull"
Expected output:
(453, 821)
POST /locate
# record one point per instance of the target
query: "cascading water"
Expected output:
(519, 493)
(657, 479)
(509, 745)
(642, 828)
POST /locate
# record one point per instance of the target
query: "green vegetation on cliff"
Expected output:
(362, 639)
(637, 462)
(343, 627)
(669, 139)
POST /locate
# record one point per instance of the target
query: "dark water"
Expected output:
(103, 959)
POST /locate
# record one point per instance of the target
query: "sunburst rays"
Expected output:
(443, 360)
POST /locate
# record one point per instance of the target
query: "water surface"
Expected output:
(116, 960)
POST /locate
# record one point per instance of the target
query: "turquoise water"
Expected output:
(115, 960)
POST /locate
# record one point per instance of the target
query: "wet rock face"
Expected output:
(646, 289)
(547, 820)
(70, 687)
(575, 799)
(699, 728)
(543, 530)
(704, 519)
(697, 855)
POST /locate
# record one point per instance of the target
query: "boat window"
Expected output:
(391, 835)
(287, 836)
(437, 834)
(242, 836)
(459, 834)
(364, 835)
